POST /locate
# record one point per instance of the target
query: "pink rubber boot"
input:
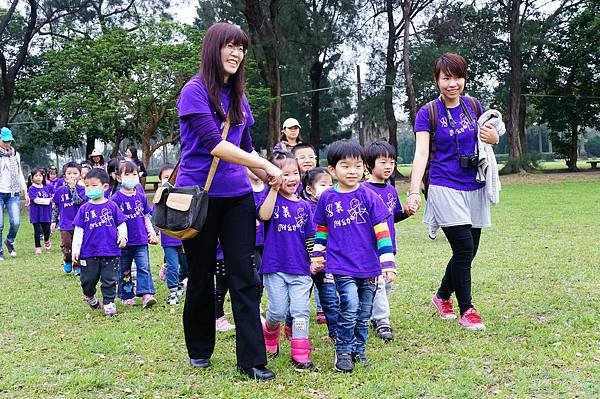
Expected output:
(271, 340)
(301, 349)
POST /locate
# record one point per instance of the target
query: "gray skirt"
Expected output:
(449, 207)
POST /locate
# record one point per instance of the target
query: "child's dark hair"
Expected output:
(127, 167)
(34, 172)
(167, 166)
(278, 158)
(52, 168)
(301, 146)
(113, 167)
(71, 164)
(86, 164)
(343, 149)
(97, 173)
(309, 178)
(378, 149)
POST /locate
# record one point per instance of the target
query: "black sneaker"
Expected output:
(384, 332)
(343, 362)
(360, 358)
(11, 248)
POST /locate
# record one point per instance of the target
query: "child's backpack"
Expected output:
(432, 111)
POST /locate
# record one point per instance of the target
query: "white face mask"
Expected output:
(320, 190)
(166, 179)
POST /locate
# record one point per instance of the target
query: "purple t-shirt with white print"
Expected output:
(389, 195)
(285, 238)
(40, 213)
(351, 248)
(66, 209)
(230, 179)
(99, 223)
(135, 208)
(445, 168)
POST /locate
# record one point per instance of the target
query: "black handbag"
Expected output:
(180, 212)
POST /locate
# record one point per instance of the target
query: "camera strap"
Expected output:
(452, 123)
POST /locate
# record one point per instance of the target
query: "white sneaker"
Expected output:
(110, 309)
(432, 232)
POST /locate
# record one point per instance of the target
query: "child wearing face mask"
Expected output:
(134, 205)
(315, 182)
(175, 268)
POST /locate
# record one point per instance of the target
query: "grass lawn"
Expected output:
(536, 284)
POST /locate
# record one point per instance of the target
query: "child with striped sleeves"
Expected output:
(353, 235)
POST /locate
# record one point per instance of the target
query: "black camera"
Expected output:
(468, 161)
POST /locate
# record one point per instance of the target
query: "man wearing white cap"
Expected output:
(12, 183)
(290, 135)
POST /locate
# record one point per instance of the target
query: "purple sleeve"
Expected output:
(311, 227)
(319, 216)
(246, 143)
(78, 220)
(30, 192)
(379, 211)
(119, 216)
(204, 125)
(147, 209)
(422, 120)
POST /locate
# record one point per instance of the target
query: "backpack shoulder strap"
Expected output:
(432, 111)
(475, 106)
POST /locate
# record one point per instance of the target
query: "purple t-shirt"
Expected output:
(445, 169)
(230, 179)
(168, 241)
(351, 248)
(40, 213)
(220, 255)
(99, 223)
(389, 195)
(66, 209)
(285, 238)
(135, 208)
(259, 197)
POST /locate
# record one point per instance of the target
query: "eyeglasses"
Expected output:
(233, 48)
(306, 157)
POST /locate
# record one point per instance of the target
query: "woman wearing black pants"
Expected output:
(456, 201)
(206, 101)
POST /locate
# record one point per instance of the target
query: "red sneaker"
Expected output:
(444, 307)
(471, 320)
(321, 319)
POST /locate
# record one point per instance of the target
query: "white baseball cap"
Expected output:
(289, 122)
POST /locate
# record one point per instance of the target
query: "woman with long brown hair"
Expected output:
(207, 100)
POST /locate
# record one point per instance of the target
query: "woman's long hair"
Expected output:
(212, 72)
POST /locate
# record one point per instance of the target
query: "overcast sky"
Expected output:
(184, 10)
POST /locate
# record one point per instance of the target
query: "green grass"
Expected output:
(535, 281)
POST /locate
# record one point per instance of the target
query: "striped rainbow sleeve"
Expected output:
(384, 247)
(318, 253)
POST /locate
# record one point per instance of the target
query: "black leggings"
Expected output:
(464, 241)
(220, 288)
(41, 229)
(233, 222)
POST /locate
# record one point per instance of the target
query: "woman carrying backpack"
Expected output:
(455, 200)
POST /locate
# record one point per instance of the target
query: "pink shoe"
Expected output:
(471, 320)
(48, 245)
(271, 340)
(148, 300)
(38, 251)
(301, 350)
(162, 273)
(444, 307)
(128, 302)
(223, 325)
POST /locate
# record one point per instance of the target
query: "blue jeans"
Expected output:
(289, 291)
(327, 293)
(144, 283)
(12, 202)
(176, 265)
(356, 304)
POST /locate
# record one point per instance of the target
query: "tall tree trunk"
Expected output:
(263, 34)
(391, 69)
(90, 145)
(515, 151)
(572, 161)
(410, 88)
(316, 73)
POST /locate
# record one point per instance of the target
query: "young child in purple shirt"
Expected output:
(175, 268)
(352, 234)
(286, 263)
(380, 159)
(67, 200)
(133, 203)
(100, 233)
(40, 208)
